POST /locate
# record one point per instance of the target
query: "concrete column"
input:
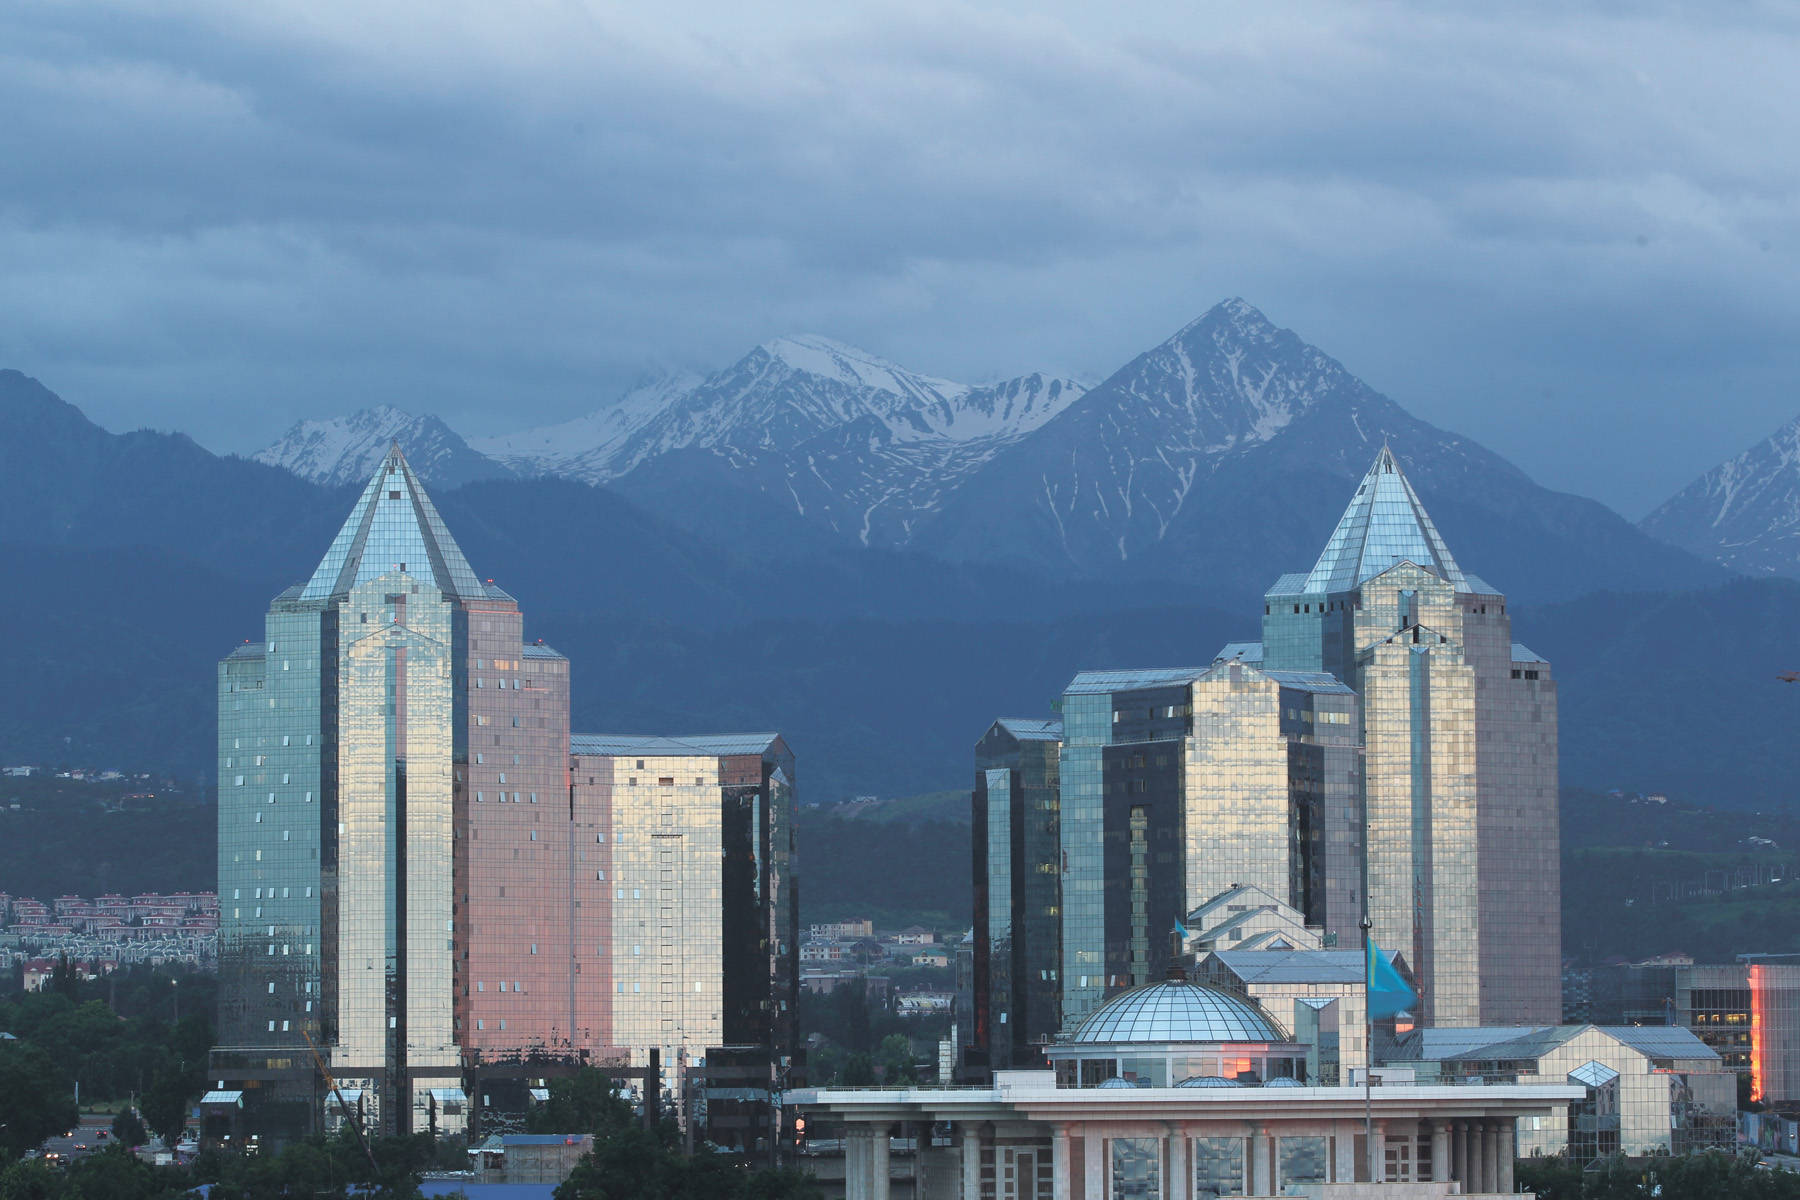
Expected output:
(1484, 1157)
(1440, 1151)
(1093, 1166)
(1490, 1143)
(1344, 1170)
(1179, 1184)
(1261, 1181)
(1059, 1163)
(1463, 1174)
(1378, 1154)
(1509, 1151)
(971, 1159)
(878, 1164)
(857, 1140)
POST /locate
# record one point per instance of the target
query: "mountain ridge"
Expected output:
(1745, 512)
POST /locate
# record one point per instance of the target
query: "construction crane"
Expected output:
(355, 1122)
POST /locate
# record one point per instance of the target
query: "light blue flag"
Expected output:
(1181, 929)
(1389, 995)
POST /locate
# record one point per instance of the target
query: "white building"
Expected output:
(1175, 1091)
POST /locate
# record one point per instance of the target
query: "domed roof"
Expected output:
(1208, 1081)
(1283, 1081)
(1177, 1011)
(1115, 1082)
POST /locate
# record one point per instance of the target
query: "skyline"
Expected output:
(1545, 234)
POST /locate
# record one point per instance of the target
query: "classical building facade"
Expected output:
(414, 881)
(1175, 1091)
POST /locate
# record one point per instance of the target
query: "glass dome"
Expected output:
(1208, 1081)
(1284, 1082)
(1177, 1011)
(1116, 1082)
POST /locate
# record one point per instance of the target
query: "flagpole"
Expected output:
(1368, 1043)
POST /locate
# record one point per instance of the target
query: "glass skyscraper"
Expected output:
(1385, 737)
(1018, 894)
(412, 880)
(1458, 728)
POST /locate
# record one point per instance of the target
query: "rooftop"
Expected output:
(704, 744)
(1384, 525)
(1033, 729)
(1174, 1010)
(394, 526)
(1092, 683)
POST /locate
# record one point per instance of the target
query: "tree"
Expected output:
(33, 1101)
(128, 1129)
(165, 1104)
(584, 1102)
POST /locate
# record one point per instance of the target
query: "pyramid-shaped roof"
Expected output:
(1384, 525)
(394, 526)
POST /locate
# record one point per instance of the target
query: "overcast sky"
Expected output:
(1572, 235)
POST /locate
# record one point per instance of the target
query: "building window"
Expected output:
(1301, 1160)
(1218, 1167)
(1136, 1168)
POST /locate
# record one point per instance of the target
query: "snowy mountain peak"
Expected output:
(345, 450)
(853, 367)
(582, 448)
(1745, 512)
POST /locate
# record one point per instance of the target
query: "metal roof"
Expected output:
(1291, 584)
(1089, 683)
(394, 524)
(1515, 1042)
(1293, 966)
(1248, 652)
(1318, 682)
(616, 744)
(1176, 1011)
(1521, 653)
(1032, 729)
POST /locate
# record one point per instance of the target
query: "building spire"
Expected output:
(1385, 524)
(394, 526)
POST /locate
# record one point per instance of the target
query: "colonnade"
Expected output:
(1477, 1153)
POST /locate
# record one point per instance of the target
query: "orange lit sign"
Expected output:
(1758, 1000)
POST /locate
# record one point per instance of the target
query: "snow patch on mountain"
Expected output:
(1745, 512)
(583, 448)
(346, 450)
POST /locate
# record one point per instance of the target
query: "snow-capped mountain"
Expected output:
(1745, 512)
(835, 435)
(583, 448)
(1231, 448)
(344, 450)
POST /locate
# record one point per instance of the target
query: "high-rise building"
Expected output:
(414, 885)
(1458, 728)
(690, 841)
(1179, 784)
(1018, 891)
(1385, 743)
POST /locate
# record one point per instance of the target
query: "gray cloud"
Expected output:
(1571, 234)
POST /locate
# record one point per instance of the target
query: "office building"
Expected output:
(1018, 891)
(1458, 730)
(690, 842)
(1179, 784)
(414, 885)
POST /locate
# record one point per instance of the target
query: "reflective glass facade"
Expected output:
(413, 878)
(1017, 806)
(1458, 727)
(694, 935)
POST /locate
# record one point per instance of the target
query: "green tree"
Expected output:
(580, 1103)
(165, 1103)
(896, 1058)
(34, 1103)
(128, 1128)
